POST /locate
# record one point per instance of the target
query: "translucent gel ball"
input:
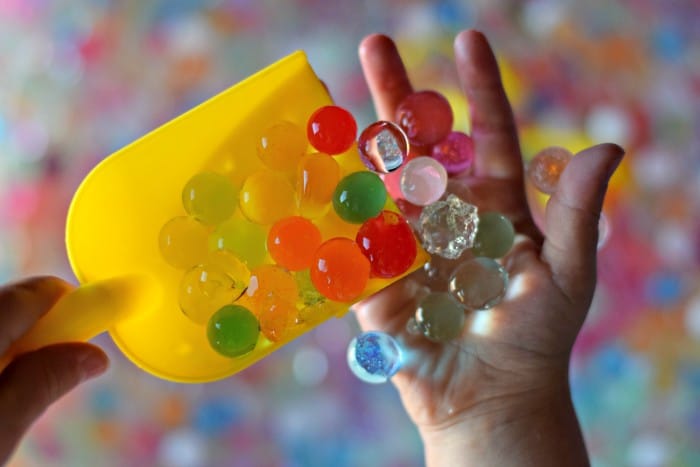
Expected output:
(423, 181)
(331, 130)
(233, 331)
(267, 197)
(455, 153)
(495, 235)
(546, 167)
(340, 271)
(183, 242)
(439, 317)
(292, 242)
(479, 283)
(210, 197)
(388, 242)
(383, 146)
(277, 316)
(317, 177)
(241, 237)
(282, 145)
(374, 357)
(359, 196)
(425, 116)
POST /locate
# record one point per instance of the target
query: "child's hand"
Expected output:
(33, 381)
(500, 395)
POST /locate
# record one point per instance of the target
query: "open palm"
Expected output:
(523, 344)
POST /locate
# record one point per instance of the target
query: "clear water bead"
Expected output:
(546, 167)
(374, 357)
(423, 181)
(383, 146)
(448, 227)
(440, 317)
(479, 283)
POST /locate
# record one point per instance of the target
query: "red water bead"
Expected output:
(425, 116)
(292, 242)
(388, 242)
(331, 129)
(340, 271)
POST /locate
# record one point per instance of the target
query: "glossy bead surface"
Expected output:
(282, 145)
(267, 197)
(233, 331)
(374, 357)
(340, 271)
(210, 197)
(425, 116)
(244, 239)
(448, 227)
(292, 242)
(423, 181)
(478, 283)
(331, 130)
(317, 177)
(270, 281)
(359, 196)
(183, 242)
(388, 242)
(455, 152)
(495, 235)
(546, 167)
(383, 146)
(206, 288)
(439, 317)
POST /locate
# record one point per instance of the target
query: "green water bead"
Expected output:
(359, 196)
(210, 197)
(439, 317)
(233, 331)
(245, 239)
(495, 235)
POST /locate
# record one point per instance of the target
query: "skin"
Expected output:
(33, 381)
(500, 394)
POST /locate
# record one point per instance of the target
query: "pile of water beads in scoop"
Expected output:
(271, 252)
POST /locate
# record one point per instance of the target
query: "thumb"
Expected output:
(35, 380)
(571, 219)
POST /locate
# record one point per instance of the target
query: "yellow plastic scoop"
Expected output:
(118, 211)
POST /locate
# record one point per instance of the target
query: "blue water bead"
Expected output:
(374, 357)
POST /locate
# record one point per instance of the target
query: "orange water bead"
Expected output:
(292, 242)
(317, 177)
(340, 271)
(277, 316)
(271, 281)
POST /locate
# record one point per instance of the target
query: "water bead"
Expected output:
(388, 242)
(439, 317)
(273, 281)
(276, 317)
(383, 146)
(359, 196)
(183, 242)
(455, 153)
(242, 238)
(374, 357)
(546, 167)
(210, 197)
(292, 242)
(308, 295)
(318, 175)
(282, 145)
(423, 181)
(495, 235)
(448, 227)
(425, 116)
(207, 287)
(331, 130)
(267, 197)
(478, 283)
(340, 271)
(233, 331)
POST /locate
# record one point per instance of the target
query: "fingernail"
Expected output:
(92, 364)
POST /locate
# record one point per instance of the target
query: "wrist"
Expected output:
(534, 428)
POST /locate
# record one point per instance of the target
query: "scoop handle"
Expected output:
(87, 311)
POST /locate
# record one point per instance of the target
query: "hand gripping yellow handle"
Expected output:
(88, 311)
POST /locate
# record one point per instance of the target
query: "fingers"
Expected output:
(493, 126)
(35, 380)
(389, 309)
(385, 74)
(571, 218)
(23, 303)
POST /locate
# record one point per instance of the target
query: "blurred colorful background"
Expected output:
(80, 79)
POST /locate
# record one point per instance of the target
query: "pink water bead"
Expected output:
(383, 146)
(423, 181)
(425, 116)
(455, 153)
